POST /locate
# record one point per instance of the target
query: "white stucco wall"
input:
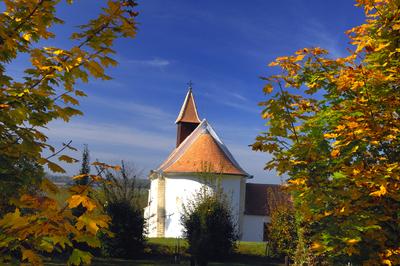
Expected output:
(231, 186)
(180, 189)
(253, 227)
(150, 212)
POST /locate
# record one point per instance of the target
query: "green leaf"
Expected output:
(68, 99)
(91, 240)
(67, 159)
(80, 93)
(79, 257)
(55, 167)
(338, 175)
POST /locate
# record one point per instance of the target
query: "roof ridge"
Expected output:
(182, 144)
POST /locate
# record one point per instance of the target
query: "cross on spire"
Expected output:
(190, 83)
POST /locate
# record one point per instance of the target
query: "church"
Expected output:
(200, 150)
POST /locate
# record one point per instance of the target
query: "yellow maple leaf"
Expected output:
(382, 191)
(299, 57)
(298, 181)
(27, 36)
(92, 227)
(340, 128)
(58, 52)
(352, 241)
(75, 200)
(381, 46)
(387, 262)
(88, 204)
(330, 135)
(352, 125)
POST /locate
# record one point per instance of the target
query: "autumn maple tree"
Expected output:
(38, 223)
(334, 130)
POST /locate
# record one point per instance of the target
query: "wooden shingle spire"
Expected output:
(188, 118)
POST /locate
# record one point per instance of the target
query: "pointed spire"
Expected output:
(188, 111)
(188, 119)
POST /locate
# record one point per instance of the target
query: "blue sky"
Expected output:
(222, 46)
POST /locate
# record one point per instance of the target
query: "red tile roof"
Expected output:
(204, 155)
(202, 151)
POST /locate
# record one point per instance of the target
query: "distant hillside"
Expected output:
(60, 180)
(64, 180)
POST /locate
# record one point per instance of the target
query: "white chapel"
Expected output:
(179, 178)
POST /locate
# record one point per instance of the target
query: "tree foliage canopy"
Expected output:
(47, 91)
(334, 128)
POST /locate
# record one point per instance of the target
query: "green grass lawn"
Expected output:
(161, 251)
(247, 253)
(167, 246)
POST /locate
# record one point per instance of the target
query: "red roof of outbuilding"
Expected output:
(258, 197)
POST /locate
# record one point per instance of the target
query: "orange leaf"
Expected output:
(31, 256)
(79, 176)
(335, 153)
(268, 88)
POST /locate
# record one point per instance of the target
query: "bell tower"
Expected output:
(188, 118)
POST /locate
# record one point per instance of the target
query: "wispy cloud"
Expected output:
(109, 134)
(317, 34)
(227, 98)
(155, 62)
(241, 106)
(239, 96)
(138, 109)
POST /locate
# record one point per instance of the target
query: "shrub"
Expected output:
(282, 229)
(127, 224)
(209, 227)
(121, 199)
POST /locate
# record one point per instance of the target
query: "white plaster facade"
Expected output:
(253, 227)
(150, 212)
(179, 190)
